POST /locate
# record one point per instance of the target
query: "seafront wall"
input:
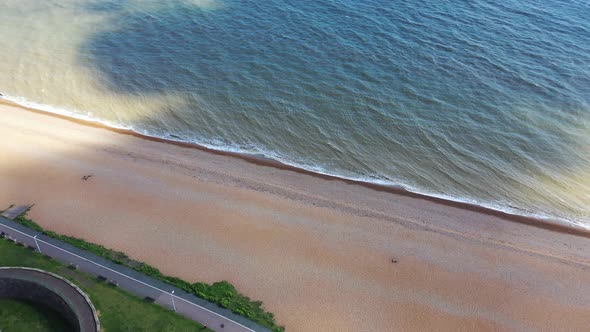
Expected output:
(52, 291)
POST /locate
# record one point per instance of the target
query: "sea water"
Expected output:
(480, 101)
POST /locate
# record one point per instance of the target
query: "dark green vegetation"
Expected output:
(222, 293)
(22, 316)
(117, 309)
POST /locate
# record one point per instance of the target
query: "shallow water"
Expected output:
(474, 101)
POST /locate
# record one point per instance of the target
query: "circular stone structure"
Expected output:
(53, 291)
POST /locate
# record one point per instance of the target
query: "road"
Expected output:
(188, 305)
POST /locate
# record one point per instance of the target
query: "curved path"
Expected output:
(53, 291)
(216, 318)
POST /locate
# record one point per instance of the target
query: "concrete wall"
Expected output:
(52, 291)
(32, 292)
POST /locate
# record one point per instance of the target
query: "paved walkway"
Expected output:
(216, 318)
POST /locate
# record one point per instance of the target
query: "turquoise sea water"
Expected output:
(479, 101)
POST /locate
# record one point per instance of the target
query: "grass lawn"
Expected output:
(20, 316)
(221, 293)
(117, 309)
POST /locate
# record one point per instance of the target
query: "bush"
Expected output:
(221, 293)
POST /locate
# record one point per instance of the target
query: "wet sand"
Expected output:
(317, 251)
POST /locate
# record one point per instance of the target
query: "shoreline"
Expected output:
(561, 226)
(321, 254)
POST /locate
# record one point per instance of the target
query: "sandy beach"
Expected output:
(322, 254)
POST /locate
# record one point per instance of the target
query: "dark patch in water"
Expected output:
(446, 97)
(105, 6)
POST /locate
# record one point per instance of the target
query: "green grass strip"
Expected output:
(221, 293)
(118, 310)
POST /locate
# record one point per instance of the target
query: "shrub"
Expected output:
(221, 293)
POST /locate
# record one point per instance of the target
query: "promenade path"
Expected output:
(214, 317)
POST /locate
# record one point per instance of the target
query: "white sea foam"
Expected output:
(49, 56)
(271, 155)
